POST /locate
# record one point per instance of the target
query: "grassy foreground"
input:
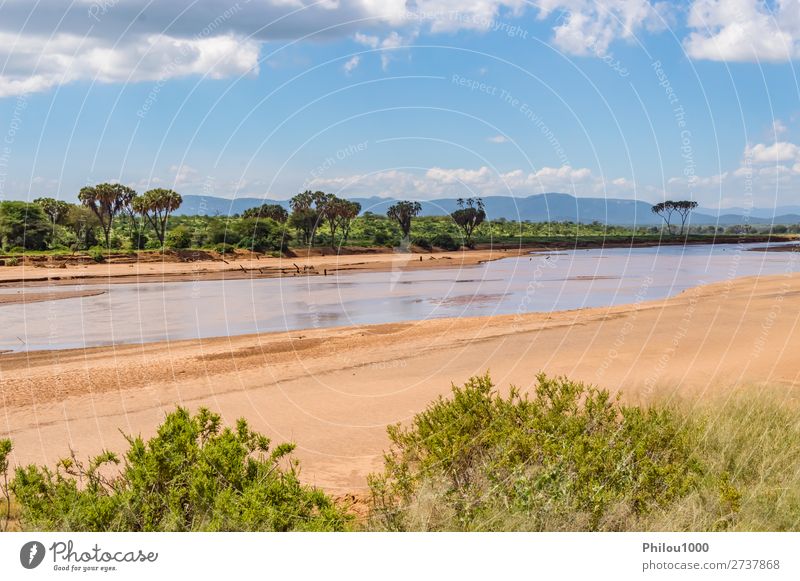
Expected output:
(565, 457)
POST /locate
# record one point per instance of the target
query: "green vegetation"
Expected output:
(114, 218)
(403, 213)
(192, 476)
(566, 457)
(570, 456)
(666, 209)
(468, 217)
(22, 225)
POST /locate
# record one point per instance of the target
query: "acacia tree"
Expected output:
(684, 208)
(155, 206)
(348, 211)
(469, 216)
(106, 201)
(274, 211)
(339, 213)
(403, 212)
(665, 210)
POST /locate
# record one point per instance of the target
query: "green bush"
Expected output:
(569, 457)
(224, 248)
(13, 261)
(23, 225)
(192, 476)
(97, 253)
(5, 491)
(262, 235)
(445, 242)
(382, 238)
(179, 237)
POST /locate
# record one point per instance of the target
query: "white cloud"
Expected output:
(497, 139)
(779, 128)
(46, 44)
(351, 64)
(780, 151)
(744, 30)
(367, 40)
(388, 44)
(34, 66)
(590, 26)
(483, 181)
(768, 173)
(184, 174)
(43, 45)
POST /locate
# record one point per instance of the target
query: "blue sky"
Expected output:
(425, 99)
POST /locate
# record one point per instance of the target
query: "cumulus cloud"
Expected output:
(46, 44)
(744, 30)
(590, 26)
(768, 173)
(482, 181)
(780, 151)
(68, 58)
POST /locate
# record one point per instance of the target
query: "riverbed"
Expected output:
(541, 282)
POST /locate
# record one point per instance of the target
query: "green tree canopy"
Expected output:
(403, 212)
(156, 206)
(273, 211)
(56, 210)
(307, 213)
(23, 224)
(469, 216)
(106, 201)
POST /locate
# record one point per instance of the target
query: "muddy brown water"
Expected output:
(135, 313)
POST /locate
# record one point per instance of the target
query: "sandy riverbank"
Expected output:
(333, 391)
(250, 267)
(7, 298)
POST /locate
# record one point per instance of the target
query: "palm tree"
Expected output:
(156, 206)
(106, 201)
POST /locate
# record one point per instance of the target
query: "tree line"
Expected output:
(47, 220)
(113, 216)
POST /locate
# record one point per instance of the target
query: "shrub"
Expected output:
(97, 253)
(423, 243)
(5, 492)
(179, 237)
(191, 476)
(570, 457)
(262, 235)
(445, 242)
(13, 261)
(224, 248)
(382, 238)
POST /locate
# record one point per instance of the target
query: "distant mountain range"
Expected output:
(537, 208)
